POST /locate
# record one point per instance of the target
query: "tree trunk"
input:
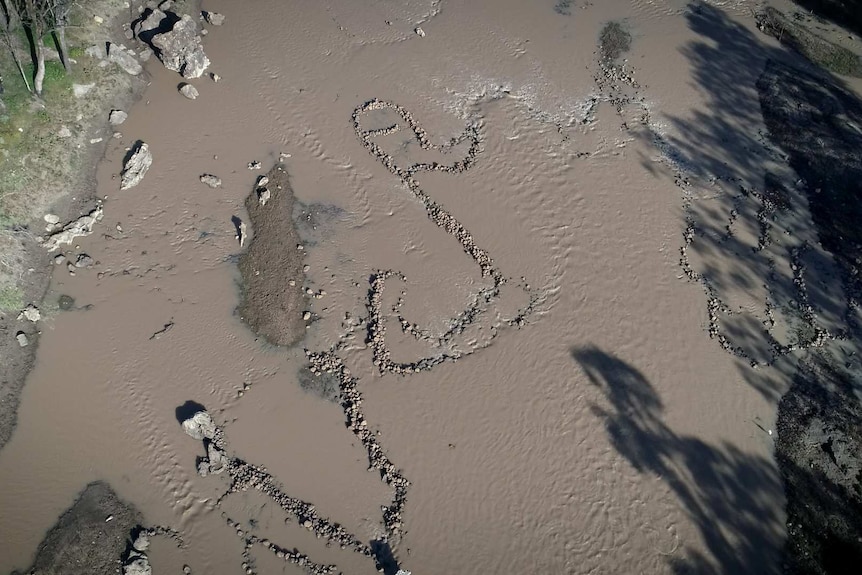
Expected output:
(40, 68)
(21, 69)
(60, 39)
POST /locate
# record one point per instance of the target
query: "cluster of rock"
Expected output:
(818, 336)
(174, 40)
(83, 226)
(245, 476)
(201, 427)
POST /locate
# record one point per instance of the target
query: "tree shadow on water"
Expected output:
(734, 498)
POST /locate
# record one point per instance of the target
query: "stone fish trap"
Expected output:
(244, 476)
(447, 222)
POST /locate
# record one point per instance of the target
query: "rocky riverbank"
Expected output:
(49, 149)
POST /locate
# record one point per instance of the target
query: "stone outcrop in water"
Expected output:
(200, 426)
(272, 306)
(136, 166)
(175, 41)
(189, 91)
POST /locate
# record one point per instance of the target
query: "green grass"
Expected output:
(11, 298)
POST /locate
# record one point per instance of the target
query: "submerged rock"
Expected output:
(211, 180)
(84, 261)
(136, 166)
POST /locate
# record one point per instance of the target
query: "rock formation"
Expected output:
(83, 226)
(136, 166)
(175, 41)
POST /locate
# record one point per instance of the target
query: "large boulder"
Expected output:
(136, 166)
(180, 48)
(200, 426)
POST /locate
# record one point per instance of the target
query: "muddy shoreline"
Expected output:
(68, 204)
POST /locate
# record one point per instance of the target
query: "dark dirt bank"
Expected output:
(272, 267)
(819, 446)
(84, 541)
(819, 124)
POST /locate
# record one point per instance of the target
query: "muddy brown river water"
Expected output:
(603, 432)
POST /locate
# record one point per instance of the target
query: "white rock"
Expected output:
(81, 227)
(22, 339)
(64, 132)
(51, 218)
(117, 117)
(189, 91)
(125, 59)
(200, 426)
(211, 180)
(213, 18)
(420, 32)
(31, 313)
(136, 166)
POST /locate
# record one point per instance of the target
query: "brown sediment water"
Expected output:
(527, 381)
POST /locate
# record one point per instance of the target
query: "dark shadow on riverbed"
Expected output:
(753, 192)
(733, 497)
(187, 410)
